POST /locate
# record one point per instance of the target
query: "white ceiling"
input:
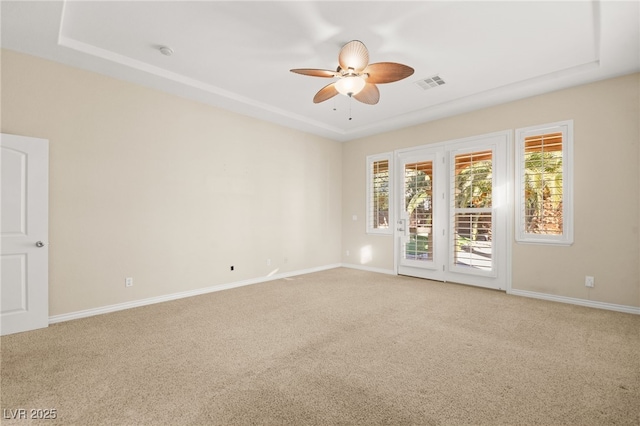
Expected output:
(237, 55)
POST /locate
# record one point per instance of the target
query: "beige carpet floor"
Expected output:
(342, 347)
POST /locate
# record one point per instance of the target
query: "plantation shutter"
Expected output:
(544, 184)
(472, 210)
(378, 195)
(542, 197)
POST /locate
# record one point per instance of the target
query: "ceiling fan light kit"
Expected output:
(356, 77)
(350, 85)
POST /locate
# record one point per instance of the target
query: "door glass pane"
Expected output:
(418, 195)
(472, 213)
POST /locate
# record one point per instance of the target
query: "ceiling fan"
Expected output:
(356, 77)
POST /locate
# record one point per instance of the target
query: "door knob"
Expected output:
(39, 244)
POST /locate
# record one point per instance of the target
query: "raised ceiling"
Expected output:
(237, 55)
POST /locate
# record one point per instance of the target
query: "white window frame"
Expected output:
(566, 238)
(371, 159)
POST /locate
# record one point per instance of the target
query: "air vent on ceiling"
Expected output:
(430, 82)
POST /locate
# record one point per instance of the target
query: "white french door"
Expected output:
(453, 211)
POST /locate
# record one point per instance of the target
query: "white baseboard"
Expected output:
(368, 268)
(532, 294)
(159, 299)
(574, 301)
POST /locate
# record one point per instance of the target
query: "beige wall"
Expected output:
(172, 192)
(606, 199)
(165, 190)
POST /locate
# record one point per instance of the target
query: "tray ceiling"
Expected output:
(237, 55)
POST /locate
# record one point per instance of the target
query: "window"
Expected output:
(378, 194)
(544, 184)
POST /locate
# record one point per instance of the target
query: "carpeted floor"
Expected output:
(335, 347)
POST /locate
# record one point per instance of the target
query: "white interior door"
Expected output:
(453, 211)
(24, 174)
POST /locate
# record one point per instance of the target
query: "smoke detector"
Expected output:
(167, 51)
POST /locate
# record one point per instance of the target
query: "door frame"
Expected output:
(446, 148)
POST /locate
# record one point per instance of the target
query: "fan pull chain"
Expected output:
(350, 101)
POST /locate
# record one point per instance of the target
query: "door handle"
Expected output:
(39, 244)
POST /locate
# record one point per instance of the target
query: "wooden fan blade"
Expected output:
(327, 92)
(315, 73)
(369, 95)
(354, 55)
(387, 72)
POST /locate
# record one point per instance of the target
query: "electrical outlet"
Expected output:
(268, 262)
(128, 282)
(348, 253)
(589, 281)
